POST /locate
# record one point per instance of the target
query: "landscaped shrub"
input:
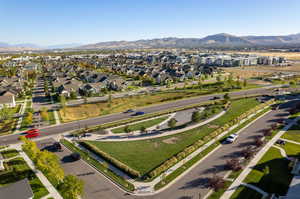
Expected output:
(109, 158)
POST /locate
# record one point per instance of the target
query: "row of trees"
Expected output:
(188, 150)
(69, 186)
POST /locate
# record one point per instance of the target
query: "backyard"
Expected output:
(145, 155)
(8, 125)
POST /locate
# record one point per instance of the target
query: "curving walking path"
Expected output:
(142, 136)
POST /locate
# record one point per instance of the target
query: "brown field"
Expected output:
(245, 72)
(288, 55)
(119, 105)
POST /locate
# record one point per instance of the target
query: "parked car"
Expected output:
(139, 113)
(129, 111)
(215, 98)
(231, 138)
(75, 156)
(32, 135)
(57, 146)
(32, 131)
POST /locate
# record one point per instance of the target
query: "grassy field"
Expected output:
(137, 126)
(21, 171)
(293, 133)
(276, 181)
(291, 149)
(145, 155)
(118, 105)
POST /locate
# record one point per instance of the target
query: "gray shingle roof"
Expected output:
(18, 190)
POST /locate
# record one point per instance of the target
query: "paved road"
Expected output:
(191, 185)
(51, 130)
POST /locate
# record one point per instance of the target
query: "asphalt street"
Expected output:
(65, 127)
(193, 184)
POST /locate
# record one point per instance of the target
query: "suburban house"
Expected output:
(8, 101)
(17, 190)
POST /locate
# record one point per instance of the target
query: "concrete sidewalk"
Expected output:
(239, 180)
(141, 136)
(52, 191)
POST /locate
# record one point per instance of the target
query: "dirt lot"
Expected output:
(288, 55)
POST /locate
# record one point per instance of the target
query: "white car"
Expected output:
(231, 138)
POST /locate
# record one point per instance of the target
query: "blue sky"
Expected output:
(47, 22)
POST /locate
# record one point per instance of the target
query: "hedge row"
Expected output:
(111, 159)
(190, 149)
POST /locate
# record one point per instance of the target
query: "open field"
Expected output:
(118, 105)
(276, 181)
(137, 126)
(23, 171)
(245, 72)
(145, 155)
(291, 149)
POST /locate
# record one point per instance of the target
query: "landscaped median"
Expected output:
(147, 159)
(153, 156)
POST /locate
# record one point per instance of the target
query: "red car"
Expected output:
(32, 135)
(32, 131)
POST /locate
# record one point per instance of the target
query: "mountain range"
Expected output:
(217, 40)
(29, 46)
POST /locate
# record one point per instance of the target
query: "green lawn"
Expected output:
(145, 155)
(51, 117)
(21, 171)
(278, 179)
(243, 192)
(293, 133)
(137, 126)
(9, 125)
(9, 153)
(291, 149)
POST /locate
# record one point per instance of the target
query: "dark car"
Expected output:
(57, 146)
(215, 98)
(139, 113)
(129, 111)
(75, 156)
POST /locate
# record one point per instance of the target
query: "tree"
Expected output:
(172, 123)
(73, 95)
(234, 164)
(44, 114)
(226, 97)
(196, 116)
(267, 132)
(216, 182)
(258, 142)
(62, 100)
(72, 187)
(247, 153)
(245, 83)
(143, 129)
(127, 129)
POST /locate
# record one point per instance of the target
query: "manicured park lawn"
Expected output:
(145, 155)
(18, 170)
(243, 192)
(291, 149)
(293, 133)
(137, 126)
(276, 181)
